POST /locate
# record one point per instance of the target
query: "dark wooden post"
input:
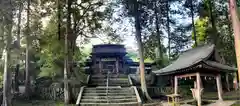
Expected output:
(175, 84)
(219, 86)
(195, 84)
(100, 65)
(199, 99)
(227, 82)
(117, 65)
(171, 78)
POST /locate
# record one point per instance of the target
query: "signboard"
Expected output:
(108, 59)
(135, 67)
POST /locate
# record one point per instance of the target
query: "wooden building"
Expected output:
(198, 63)
(111, 58)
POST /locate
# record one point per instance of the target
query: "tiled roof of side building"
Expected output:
(192, 58)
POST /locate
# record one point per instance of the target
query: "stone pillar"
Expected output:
(199, 89)
(117, 65)
(175, 85)
(219, 86)
(227, 82)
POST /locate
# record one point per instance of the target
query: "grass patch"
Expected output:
(39, 103)
(232, 95)
(203, 103)
(236, 104)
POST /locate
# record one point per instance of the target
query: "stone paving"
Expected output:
(217, 103)
(222, 103)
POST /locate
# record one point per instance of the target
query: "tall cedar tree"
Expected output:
(236, 29)
(140, 50)
(20, 9)
(66, 54)
(27, 76)
(8, 21)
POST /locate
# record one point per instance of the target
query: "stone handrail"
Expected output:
(137, 95)
(80, 95)
(88, 78)
(130, 80)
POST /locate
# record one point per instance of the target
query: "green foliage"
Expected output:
(133, 56)
(51, 56)
(159, 56)
(201, 26)
(52, 52)
(153, 13)
(161, 63)
(223, 34)
(109, 35)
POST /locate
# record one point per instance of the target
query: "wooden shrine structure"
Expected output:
(197, 63)
(109, 81)
(112, 58)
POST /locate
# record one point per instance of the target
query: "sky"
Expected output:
(128, 34)
(126, 30)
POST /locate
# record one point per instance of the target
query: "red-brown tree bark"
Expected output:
(236, 30)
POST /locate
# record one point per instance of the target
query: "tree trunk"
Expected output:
(229, 26)
(193, 24)
(66, 60)
(236, 30)
(18, 47)
(168, 30)
(212, 19)
(140, 51)
(2, 45)
(158, 34)
(27, 77)
(59, 19)
(7, 99)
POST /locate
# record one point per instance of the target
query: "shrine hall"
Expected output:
(198, 63)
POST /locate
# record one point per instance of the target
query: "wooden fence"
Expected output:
(56, 93)
(53, 93)
(160, 91)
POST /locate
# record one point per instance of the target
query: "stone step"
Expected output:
(111, 104)
(116, 96)
(113, 80)
(104, 88)
(99, 84)
(109, 82)
(105, 94)
(110, 91)
(110, 76)
(110, 87)
(105, 97)
(108, 100)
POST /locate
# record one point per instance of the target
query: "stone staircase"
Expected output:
(118, 93)
(114, 80)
